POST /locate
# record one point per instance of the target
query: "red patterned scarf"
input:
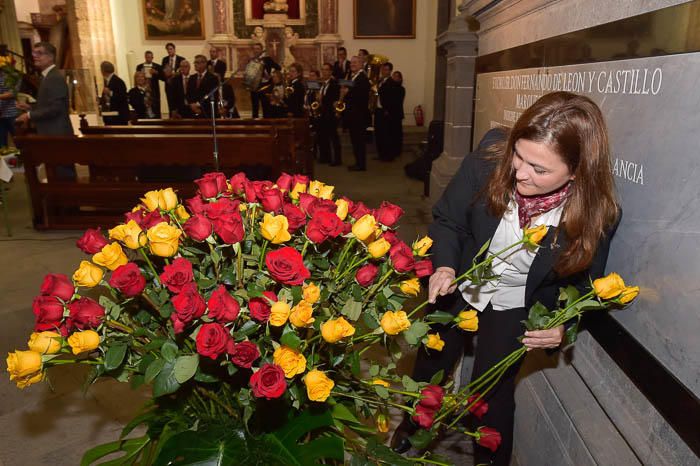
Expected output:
(532, 206)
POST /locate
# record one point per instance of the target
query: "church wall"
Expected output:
(24, 8)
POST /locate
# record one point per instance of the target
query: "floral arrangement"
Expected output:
(12, 74)
(249, 310)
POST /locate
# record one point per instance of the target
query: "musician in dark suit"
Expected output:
(154, 73)
(295, 99)
(200, 84)
(396, 121)
(341, 67)
(226, 101)
(215, 64)
(171, 58)
(552, 169)
(356, 114)
(386, 113)
(364, 56)
(328, 122)
(114, 96)
(258, 97)
(178, 85)
(141, 97)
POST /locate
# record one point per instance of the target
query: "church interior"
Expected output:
(383, 100)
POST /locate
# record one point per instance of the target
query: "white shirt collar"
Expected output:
(46, 71)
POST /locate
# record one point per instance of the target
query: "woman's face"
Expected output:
(140, 79)
(538, 168)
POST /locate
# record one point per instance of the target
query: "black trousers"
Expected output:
(257, 100)
(357, 138)
(328, 139)
(497, 337)
(382, 134)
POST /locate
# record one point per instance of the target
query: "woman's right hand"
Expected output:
(441, 283)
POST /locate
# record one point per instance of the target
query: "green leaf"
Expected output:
(215, 257)
(352, 309)
(421, 439)
(204, 377)
(483, 249)
(131, 447)
(416, 332)
(205, 283)
(409, 384)
(374, 370)
(354, 360)
(169, 350)
(290, 338)
(440, 317)
(114, 356)
(571, 333)
(379, 452)
(538, 317)
(154, 369)
(436, 379)
(342, 413)
(165, 382)
(185, 367)
(381, 391)
(568, 295)
(246, 329)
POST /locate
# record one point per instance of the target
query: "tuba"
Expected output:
(252, 76)
(375, 66)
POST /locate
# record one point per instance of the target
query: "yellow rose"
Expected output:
(163, 239)
(534, 235)
(334, 330)
(24, 382)
(275, 228)
(182, 214)
(381, 382)
(342, 208)
(111, 256)
(150, 200)
(628, 294)
(130, 234)
(87, 340)
(279, 313)
(420, 247)
(364, 227)
(410, 287)
(22, 364)
(298, 189)
(378, 248)
(394, 323)
(88, 275)
(167, 199)
(290, 360)
(435, 342)
(321, 190)
(468, 320)
(311, 293)
(318, 385)
(609, 287)
(45, 342)
(382, 423)
(302, 314)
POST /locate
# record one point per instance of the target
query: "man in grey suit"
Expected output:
(50, 113)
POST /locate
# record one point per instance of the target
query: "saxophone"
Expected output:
(339, 105)
(315, 107)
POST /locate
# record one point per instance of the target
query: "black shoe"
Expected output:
(399, 441)
(356, 168)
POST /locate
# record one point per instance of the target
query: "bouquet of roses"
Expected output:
(12, 74)
(248, 309)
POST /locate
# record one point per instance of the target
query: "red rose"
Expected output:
(211, 184)
(402, 257)
(57, 284)
(431, 397)
(198, 227)
(424, 268)
(284, 182)
(388, 214)
(178, 274)
(92, 241)
(136, 216)
(213, 340)
(244, 354)
(322, 226)
(250, 195)
(196, 205)
(260, 307)
(295, 217)
(305, 201)
(260, 186)
(272, 200)
(366, 274)
(268, 382)
(238, 182)
(286, 266)
(48, 312)
(128, 279)
(391, 237)
(230, 230)
(480, 407)
(322, 205)
(189, 305)
(222, 306)
(85, 313)
(347, 228)
(358, 210)
(222, 209)
(488, 438)
(300, 179)
(152, 219)
(424, 417)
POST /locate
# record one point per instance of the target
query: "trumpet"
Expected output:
(339, 106)
(288, 91)
(315, 107)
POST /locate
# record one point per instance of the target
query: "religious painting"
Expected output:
(384, 19)
(173, 19)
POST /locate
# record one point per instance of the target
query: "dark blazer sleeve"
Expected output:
(56, 101)
(136, 100)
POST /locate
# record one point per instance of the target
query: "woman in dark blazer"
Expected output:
(552, 168)
(141, 97)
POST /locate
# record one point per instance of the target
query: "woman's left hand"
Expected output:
(544, 338)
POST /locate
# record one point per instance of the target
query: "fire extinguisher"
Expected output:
(418, 115)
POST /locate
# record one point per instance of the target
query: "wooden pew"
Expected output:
(77, 204)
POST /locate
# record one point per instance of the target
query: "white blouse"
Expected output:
(508, 291)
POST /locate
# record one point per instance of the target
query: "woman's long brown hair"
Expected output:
(572, 126)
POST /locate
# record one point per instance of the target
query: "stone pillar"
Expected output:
(224, 33)
(9, 31)
(328, 38)
(460, 45)
(91, 36)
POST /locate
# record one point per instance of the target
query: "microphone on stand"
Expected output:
(210, 98)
